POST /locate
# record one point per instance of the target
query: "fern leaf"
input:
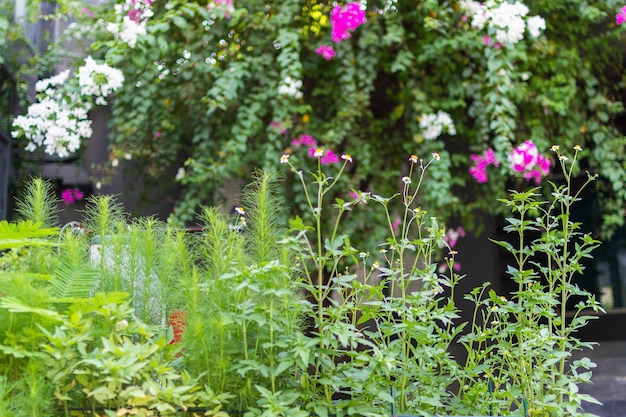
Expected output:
(70, 281)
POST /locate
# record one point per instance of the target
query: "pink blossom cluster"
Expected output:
(305, 140)
(346, 19)
(71, 195)
(326, 51)
(136, 14)
(621, 16)
(479, 170)
(326, 156)
(527, 159)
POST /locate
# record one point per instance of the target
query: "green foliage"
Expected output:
(37, 203)
(246, 315)
(201, 92)
(243, 310)
(533, 332)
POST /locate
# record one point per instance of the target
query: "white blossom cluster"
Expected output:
(99, 80)
(132, 18)
(505, 19)
(290, 87)
(434, 124)
(58, 121)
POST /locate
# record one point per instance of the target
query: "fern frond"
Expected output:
(73, 276)
(70, 282)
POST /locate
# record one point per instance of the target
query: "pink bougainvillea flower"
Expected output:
(345, 20)
(135, 15)
(526, 159)
(305, 140)
(621, 16)
(326, 51)
(329, 157)
(71, 195)
(78, 194)
(67, 196)
(524, 156)
(479, 170)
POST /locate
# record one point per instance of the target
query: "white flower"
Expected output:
(58, 79)
(290, 87)
(99, 80)
(505, 19)
(58, 121)
(535, 25)
(433, 125)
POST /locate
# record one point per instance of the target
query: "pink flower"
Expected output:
(329, 157)
(621, 16)
(526, 159)
(70, 196)
(479, 170)
(345, 20)
(67, 196)
(326, 51)
(157, 134)
(305, 140)
(78, 194)
(487, 40)
(135, 15)
(489, 157)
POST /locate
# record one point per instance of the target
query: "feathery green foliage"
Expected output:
(38, 203)
(25, 233)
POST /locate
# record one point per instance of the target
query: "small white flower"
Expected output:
(290, 87)
(535, 25)
(433, 125)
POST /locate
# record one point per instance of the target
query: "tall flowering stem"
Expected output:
(533, 329)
